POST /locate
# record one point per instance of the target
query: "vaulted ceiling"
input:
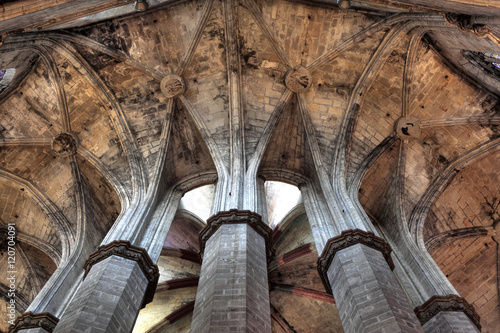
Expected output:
(83, 121)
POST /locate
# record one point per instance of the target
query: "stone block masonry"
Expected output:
(233, 292)
(358, 268)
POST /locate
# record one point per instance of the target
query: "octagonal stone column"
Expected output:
(356, 267)
(119, 279)
(233, 291)
(449, 313)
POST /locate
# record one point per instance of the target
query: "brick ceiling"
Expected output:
(369, 67)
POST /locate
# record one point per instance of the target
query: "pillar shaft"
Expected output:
(233, 291)
(120, 279)
(357, 267)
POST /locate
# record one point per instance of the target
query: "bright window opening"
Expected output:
(199, 201)
(281, 199)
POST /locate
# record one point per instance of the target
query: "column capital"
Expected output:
(124, 249)
(28, 320)
(346, 239)
(235, 216)
(436, 304)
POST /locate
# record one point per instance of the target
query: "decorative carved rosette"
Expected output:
(172, 85)
(298, 79)
(346, 239)
(465, 25)
(28, 320)
(65, 144)
(235, 216)
(436, 304)
(408, 128)
(124, 249)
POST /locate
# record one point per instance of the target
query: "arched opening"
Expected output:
(281, 198)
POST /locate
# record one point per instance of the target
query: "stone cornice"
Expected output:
(235, 216)
(436, 304)
(346, 239)
(126, 250)
(28, 320)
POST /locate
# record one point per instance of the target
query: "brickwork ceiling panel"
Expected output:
(183, 234)
(471, 200)
(307, 315)
(438, 92)
(32, 112)
(17, 207)
(376, 186)
(38, 164)
(109, 74)
(471, 266)
(262, 78)
(297, 233)
(165, 35)
(289, 147)
(307, 32)
(187, 154)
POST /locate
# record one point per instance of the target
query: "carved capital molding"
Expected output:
(235, 216)
(436, 304)
(464, 24)
(346, 239)
(126, 250)
(28, 320)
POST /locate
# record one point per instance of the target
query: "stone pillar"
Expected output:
(30, 322)
(357, 268)
(119, 279)
(233, 291)
(450, 313)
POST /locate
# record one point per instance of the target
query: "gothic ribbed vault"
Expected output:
(86, 132)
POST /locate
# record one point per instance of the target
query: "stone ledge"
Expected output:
(29, 320)
(126, 250)
(346, 239)
(436, 304)
(235, 216)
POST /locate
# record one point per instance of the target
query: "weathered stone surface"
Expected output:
(34, 323)
(233, 293)
(368, 296)
(108, 300)
(453, 312)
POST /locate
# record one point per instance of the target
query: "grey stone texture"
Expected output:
(233, 292)
(108, 300)
(450, 321)
(34, 330)
(368, 296)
